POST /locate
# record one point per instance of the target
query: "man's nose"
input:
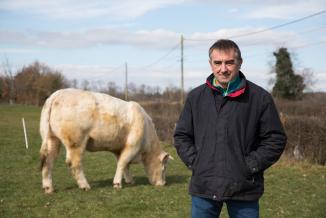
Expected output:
(223, 67)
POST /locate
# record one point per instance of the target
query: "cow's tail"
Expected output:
(45, 128)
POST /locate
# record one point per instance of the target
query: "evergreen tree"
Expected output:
(288, 84)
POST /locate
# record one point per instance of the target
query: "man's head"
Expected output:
(225, 61)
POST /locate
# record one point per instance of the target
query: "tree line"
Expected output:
(32, 84)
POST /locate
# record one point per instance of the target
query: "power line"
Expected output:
(162, 57)
(114, 69)
(314, 29)
(111, 71)
(309, 44)
(286, 39)
(268, 29)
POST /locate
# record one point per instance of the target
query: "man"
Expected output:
(228, 133)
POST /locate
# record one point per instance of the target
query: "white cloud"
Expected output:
(16, 50)
(244, 37)
(285, 11)
(276, 9)
(289, 9)
(153, 39)
(158, 38)
(13, 37)
(75, 9)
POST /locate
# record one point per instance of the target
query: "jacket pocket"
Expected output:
(200, 152)
(240, 187)
(196, 162)
(204, 164)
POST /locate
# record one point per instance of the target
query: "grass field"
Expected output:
(292, 190)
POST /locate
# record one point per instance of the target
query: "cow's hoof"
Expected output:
(117, 186)
(130, 181)
(85, 187)
(160, 183)
(48, 190)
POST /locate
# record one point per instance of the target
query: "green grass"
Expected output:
(292, 190)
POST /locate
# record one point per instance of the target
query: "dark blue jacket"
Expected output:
(229, 141)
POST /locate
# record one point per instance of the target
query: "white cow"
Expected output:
(98, 122)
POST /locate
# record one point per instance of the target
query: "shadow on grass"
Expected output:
(140, 180)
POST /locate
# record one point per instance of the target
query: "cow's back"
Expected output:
(71, 114)
(100, 119)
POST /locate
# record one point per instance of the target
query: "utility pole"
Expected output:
(126, 80)
(182, 82)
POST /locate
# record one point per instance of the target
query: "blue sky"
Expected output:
(92, 40)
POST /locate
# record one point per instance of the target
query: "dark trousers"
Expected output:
(207, 208)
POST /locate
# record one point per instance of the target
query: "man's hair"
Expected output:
(225, 45)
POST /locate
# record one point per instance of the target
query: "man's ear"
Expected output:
(210, 62)
(240, 63)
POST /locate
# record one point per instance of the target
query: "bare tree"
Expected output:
(73, 83)
(9, 79)
(309, 79)
(35, 82)
(85, 85)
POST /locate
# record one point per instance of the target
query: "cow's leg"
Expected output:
(53, 148)
(125, 158)
(74, 160)
(126, 174)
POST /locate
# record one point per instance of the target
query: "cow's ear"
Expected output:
(165, 156)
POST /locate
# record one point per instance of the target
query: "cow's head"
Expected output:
(157, 167)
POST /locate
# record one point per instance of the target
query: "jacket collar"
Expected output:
(235, 93)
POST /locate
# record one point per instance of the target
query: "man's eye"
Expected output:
(230, 63)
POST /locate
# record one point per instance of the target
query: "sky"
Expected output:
(100, 40)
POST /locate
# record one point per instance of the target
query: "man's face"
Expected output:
(225, 66)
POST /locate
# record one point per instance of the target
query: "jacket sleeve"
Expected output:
(272, 140)
(184, 136)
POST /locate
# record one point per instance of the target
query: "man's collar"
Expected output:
(232, 85)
